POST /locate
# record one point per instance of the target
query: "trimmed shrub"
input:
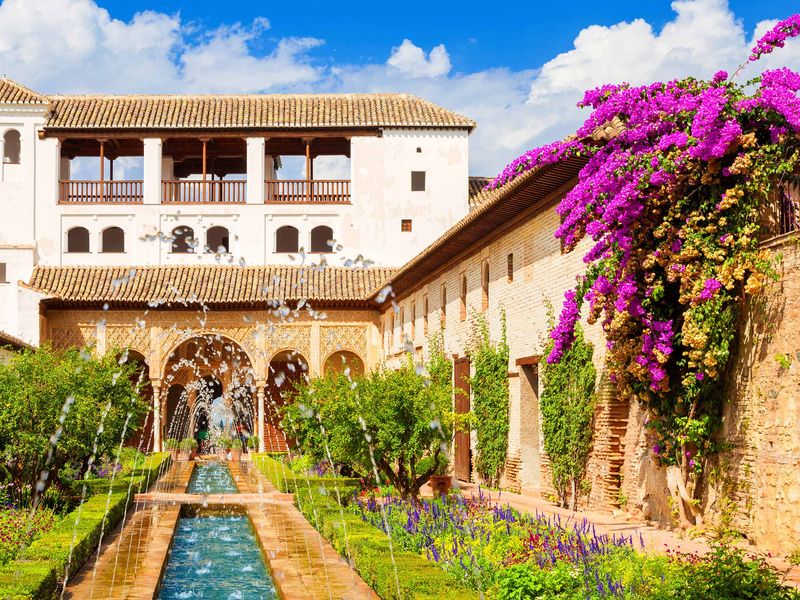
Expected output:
(287, 481)
(40, 568)
(393, 573)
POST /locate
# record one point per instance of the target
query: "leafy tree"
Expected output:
(56, 405)
(489, 386)
(393, 425)
(567, 405)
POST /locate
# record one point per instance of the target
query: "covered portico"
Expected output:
(244, 327)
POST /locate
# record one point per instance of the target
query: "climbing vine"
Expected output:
(672, 207)
(567, 407)
(489, 387)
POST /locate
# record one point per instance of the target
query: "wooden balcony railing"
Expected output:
(100, 192)
(318, 191)
(205, 192)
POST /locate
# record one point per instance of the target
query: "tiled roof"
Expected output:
(478, 194)
(13, 93)
(7, 339)
(274, 111)
(196, 284)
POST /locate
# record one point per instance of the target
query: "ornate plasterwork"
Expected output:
(343, 337)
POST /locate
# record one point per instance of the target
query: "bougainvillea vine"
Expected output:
(671, 208)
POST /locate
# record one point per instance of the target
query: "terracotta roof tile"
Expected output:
(13, 93)
(478, 193)
(195, 284)
(269, 111)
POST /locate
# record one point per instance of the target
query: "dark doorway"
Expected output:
(461, 446)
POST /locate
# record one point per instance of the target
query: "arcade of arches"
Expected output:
(222, 368)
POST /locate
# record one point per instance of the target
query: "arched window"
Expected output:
(321, 238)
(463, 296)
(11, 150)
(444, 303)
(182, 239)
(113, 239)
(286, 239)
(217, 240)
(342, 360)
(485, 285)
(78, 239)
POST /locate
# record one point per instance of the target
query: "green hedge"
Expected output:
(39, 568)
(287, 481)
(394, 574)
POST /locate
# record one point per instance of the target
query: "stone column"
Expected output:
(255, 170)
(260, 393)
(156, 385)
(152, 171)
(315, 358)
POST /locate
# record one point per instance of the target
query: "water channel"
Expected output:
(211, 478)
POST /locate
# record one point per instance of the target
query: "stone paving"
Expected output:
(302, 563)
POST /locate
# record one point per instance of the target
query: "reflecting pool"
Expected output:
(211, 478)
(215, 555)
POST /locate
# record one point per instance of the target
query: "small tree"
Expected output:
(567, 405)
(391, 425)
(489, 387)
(64, 402)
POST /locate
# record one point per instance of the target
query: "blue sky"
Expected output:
(517, 71)
(476, 36)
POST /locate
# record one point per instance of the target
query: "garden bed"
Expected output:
(275, 468)
(39, 569)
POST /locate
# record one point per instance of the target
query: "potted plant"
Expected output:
(253, 443)
(171, 446)
(186, 447)
(223, 445)
(440, 481)
(236, 450)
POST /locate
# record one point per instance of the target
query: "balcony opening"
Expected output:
(204, 171)
(101, 171)
(11, 147)
(309, 170)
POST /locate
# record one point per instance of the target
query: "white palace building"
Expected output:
(207, 180)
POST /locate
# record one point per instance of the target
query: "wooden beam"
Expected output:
(529, 361)
(139, 134)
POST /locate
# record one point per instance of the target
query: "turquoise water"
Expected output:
(211, 478)
(216, 556)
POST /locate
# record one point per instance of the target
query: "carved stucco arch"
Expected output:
(358, 355)
(199, 333)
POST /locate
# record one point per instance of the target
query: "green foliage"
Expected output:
(528, 581)
(389, 419)
(187, 444)
(39, 387)
(18, 528)
(252, 442)
(489, 386)
(567, 406)
(393, 573)
(39, 569)
(236, 444)
(171, 444)
(287, 481)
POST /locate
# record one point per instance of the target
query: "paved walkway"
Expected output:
(302, 563)
(657, 538)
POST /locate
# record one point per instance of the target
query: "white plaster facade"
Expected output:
(34, 224)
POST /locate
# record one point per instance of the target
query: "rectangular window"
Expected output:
(413, 321)
(417, 181)
(425, 316)
(510, 267)
(402, 320)
(405, 225)
(463, 297)
(444, 304)
(485, 287)
(3, 276)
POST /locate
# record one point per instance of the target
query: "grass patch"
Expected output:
(287, 481)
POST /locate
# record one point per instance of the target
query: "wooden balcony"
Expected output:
(204, 192)
(100, 192)
(317, 191)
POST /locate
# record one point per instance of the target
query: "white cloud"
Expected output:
(76, 46)
(411, 61)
